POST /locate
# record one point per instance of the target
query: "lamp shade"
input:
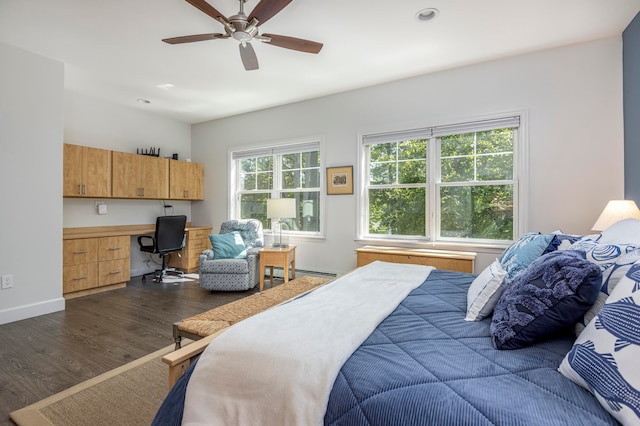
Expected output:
(615, 211)
(281, 208)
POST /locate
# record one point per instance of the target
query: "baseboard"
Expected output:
(278, 272)
(32, 310)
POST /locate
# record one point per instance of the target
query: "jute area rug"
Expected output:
(128, 395)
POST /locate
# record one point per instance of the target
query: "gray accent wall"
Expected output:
(631, 82)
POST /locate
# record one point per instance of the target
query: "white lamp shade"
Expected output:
(615, 211)
(281, 208)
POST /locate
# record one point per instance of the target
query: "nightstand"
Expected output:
(277, 256)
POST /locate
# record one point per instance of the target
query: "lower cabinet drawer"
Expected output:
(110, 248)
(114, 271)
(79, 277)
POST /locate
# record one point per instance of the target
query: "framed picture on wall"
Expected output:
(339, 180)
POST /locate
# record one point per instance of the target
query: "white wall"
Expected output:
(92, 122)
(31, 128)
(573, 96)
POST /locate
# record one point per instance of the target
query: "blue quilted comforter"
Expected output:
(425, 365)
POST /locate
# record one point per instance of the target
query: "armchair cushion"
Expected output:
(228, 246)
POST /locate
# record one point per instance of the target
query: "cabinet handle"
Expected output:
(142, 189)
(80, 189)
(115, 272)
(84, 189)
(79, 278)
(80, 252)
(114, 248)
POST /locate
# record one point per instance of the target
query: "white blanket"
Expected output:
(278, 367)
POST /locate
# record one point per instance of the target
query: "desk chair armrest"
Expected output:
(151, 243)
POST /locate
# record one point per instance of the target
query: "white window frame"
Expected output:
(434, 240)
(276, 149)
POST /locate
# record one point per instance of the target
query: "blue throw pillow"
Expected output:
(561, 240)
(522, 252)
(551, 294)
(228, 246)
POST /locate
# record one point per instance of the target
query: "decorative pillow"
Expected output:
(614, 274)
(228, 246)
(522, 252)
(551, 294)
(626, 231)
(604, 358)
(484, 292)
(561, 241)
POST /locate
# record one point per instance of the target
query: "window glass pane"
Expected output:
(383, 152)
(307, 211)
(264, 164)
(412, 171)
(397, 211)
(311, 178)
(265, 181)
(291, 161)
(291, 179)
(311, 159)
(500, 140)
(412, 150)
(254, 206)
(481, 212)
(495, 167)
(457, 145)
(457, 169)
(248, 165)
(382, 173)
(248, 182)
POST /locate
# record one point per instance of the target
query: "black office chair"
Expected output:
(169, 238)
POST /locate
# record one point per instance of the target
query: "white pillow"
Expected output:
(604, 358)
(626, 231)
(484, 292)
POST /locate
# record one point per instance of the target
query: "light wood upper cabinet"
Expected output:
(186, 180)
(87, 172)
(140, 176)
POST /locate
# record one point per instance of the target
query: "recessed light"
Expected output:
(427, 14)
(165, 86)
(143, 101)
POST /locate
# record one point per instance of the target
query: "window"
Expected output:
(451, 183)
(287, 171)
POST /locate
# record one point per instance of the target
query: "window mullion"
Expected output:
(433, 164)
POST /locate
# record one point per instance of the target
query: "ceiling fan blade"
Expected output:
(208, 9)
(248, 56)
(267, 9)
(192, 38)
(294, 43)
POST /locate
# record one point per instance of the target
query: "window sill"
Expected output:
(441, 245)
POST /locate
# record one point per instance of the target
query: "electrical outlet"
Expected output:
(7, 281)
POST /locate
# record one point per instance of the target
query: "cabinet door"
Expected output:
(126, 175)
(72, 168)
(177, 180)
(96, 172)
(195, 189)
(154, 177)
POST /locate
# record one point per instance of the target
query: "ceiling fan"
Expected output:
(245, 28)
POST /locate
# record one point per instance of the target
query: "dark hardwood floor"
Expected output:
(44, 355)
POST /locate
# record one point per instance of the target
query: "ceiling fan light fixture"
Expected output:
(427, 14)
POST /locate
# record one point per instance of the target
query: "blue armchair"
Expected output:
(234, 274)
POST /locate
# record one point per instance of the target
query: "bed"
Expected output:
(423, 364)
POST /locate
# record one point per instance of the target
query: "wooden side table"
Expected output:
(277, 256)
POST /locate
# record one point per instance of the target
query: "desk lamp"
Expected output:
(280, 208)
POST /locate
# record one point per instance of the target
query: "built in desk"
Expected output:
(98, 258)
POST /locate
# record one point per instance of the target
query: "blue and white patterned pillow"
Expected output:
(604, 358)
(522, 252)
(614, 261)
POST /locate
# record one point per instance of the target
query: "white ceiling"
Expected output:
(112, 49)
